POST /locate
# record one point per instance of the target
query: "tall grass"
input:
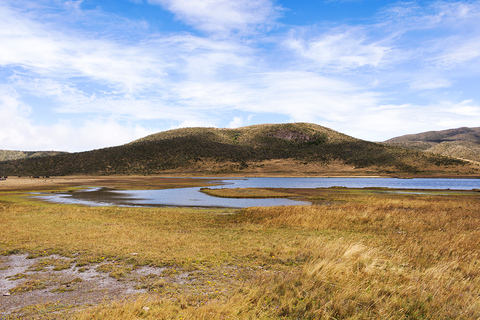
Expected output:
(362, 256)
(418, 258)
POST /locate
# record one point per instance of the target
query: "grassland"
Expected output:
(354, 254)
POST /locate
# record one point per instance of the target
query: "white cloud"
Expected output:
(73, 4)
(307, 96)
(339, 49)
(366, 80)
(236, 122)
(440, 34)
(98, 132)
(456, 51)
(222, 16)
(16, 129)
(199, 59)
(20, 132)
(90, 75)
(194, 123)
(465, 108)
(303, 96)
(388, 121)
(412, 15)
(429, 83)
(43, 51)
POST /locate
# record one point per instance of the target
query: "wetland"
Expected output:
(354, 253)
(210, 197)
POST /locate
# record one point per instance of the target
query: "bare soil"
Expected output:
(120, 182)
(22, 286)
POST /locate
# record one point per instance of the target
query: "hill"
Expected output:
(270, 149)
(14, 154)
(463, 143)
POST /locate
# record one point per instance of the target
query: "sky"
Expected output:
(80, 75)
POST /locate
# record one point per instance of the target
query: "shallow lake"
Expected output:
(417, 183)
(192, 197)
(181, 197)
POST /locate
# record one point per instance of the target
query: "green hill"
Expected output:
(463, 143)
(298, 148)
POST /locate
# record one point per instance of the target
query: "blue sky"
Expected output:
(80, 75)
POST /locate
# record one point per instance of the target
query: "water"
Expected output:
(417, 183)
(181, 197)
(192, 197)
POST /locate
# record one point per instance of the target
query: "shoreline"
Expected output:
(132, 182)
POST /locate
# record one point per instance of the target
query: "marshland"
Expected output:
(352, 254)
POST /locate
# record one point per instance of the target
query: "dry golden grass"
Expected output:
(359, 255)
(418, 258)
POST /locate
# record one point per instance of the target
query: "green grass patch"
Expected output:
(245, 193)
(17, 276)
(117, 271)
(27, 286)
(56, 264)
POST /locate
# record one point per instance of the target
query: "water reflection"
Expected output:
(192, 197)
(184, 197)
(393, 183)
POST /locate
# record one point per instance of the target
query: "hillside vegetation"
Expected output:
(14, 154)
(297, 148)
(463, 143)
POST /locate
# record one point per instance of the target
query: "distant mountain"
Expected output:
(270, 149)
(463, 143)
(13, 154)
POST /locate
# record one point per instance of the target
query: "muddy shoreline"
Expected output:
(160, 182)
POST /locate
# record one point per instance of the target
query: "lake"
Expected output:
(192, 197)
(417, 183)
(180, 197)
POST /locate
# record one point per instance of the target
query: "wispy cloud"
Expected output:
(396, 120)
(18, 129)
(369, 80)
(46, 52)
(338, 49)
(440, 35)
(427, 82)
(223, 16)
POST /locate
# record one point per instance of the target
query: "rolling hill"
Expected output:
(14, 154)
(462, 143)
(270, 149)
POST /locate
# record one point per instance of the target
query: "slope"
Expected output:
(14, 154)
(298, 148)
(463, 143)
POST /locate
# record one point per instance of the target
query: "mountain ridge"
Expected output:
(462, 143)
